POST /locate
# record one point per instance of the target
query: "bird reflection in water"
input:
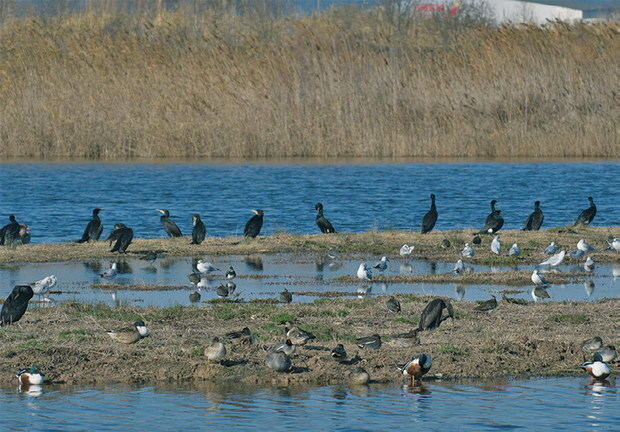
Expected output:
(254, 262)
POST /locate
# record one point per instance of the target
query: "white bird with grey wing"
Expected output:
(496, 245)
(363, 272)
(554, 260)
(514, 250)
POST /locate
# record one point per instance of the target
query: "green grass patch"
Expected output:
(337, 313)
(451, 349)
(78, 335)
(569, 318)
(283, 318)
(410, 321)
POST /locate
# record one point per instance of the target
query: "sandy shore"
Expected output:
(69, 342)
(427, 246)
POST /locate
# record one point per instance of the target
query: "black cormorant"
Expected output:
(93, 229)
(494, 220)
(16, 304)
(171, 228)
(324, 225)
(535, 220)
(430, 218)
(586, 216)
(431, 315)
(9, 233)
(198, 231)
(253, 226)
(123, 235)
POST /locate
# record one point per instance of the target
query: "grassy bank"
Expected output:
(348, 83)
(362, 246)
(69, 342)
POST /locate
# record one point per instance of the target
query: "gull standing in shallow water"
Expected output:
(538, 279)
(554, 260)
(589, 264)
(363, 272)
(496, 245)
(382, 265)
(204, 266)
(468, 251)
(458, 267)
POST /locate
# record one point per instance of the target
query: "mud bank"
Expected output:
(427, 246)
(69, 342)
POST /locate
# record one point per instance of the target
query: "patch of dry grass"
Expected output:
(343, 83)
(427, 246)
(69, 343)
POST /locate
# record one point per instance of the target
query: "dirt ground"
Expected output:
(427, 246)
(70, 345)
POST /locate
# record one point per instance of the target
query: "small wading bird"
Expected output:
(538, 279)
(487, 306)
(198, 229)
(169, 226)
(430, 218)
(432, 314)
(321, 221)
(587, 215)
(93, 228)
(363, 272)
(130, 335)
(15, 305)
(597, 369)
(494, 221)
(416, 368)
(535, 220)
(122, 235)
(383, 264)
(278, 361)
(32, 376)
(496, 245)
(554, 260)
(216, 351)
(254, 225)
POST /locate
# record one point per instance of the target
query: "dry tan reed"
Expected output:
(342, 83)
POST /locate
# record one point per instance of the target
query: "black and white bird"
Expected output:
(459, 267)
(122, 235)
(417, 368)
(432, 314)
(538, 278)
(15, 305)
(199, 231)
(321, 221)
(382, 265)
(534, 220)
(597, 369)
(496, 245)
(430, 218)
(494, 221)
(614, 243)
(369, 342)
(169, 226)
(339, 353)
(589, 264)
(587, 215)
(254, 225)
(286, 347)
(93, 228)
(231, 273)
(468, 251)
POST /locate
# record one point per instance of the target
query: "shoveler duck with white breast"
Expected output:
(32, 376)
(597, 369)
(417, 368)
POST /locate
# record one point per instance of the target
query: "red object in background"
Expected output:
(433, 8)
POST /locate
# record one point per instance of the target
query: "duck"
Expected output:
(468, 251)
(231, 273)
(339, 353)
(130, 335)
(32, 376)
(417, 367)
(608, 353)
(406, 250)
(538, 278)
(514, 250)
(382, 265)
(393, 305)
(592, 345)
(363, 272)
(477, 240)
(287, 348)
(597, 369)
(286, 296)
(445, 243)
(496, 245)
(359, 376)
(278, 361)
(371, 342)
(298, 336)
(216, 351)
(487, 306)
(243, 336)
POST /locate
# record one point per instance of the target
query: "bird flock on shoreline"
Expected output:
(279, 357)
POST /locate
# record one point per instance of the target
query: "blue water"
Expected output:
(549, 404)
(56, 199)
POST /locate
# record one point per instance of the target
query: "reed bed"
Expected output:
(347, 82)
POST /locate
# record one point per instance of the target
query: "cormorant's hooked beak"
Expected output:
(254, 211)
(161, 211)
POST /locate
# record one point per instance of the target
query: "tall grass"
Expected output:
(346, 82)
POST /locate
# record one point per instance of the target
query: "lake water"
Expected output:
(56, 199)
(540, 404)
(266, 276)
